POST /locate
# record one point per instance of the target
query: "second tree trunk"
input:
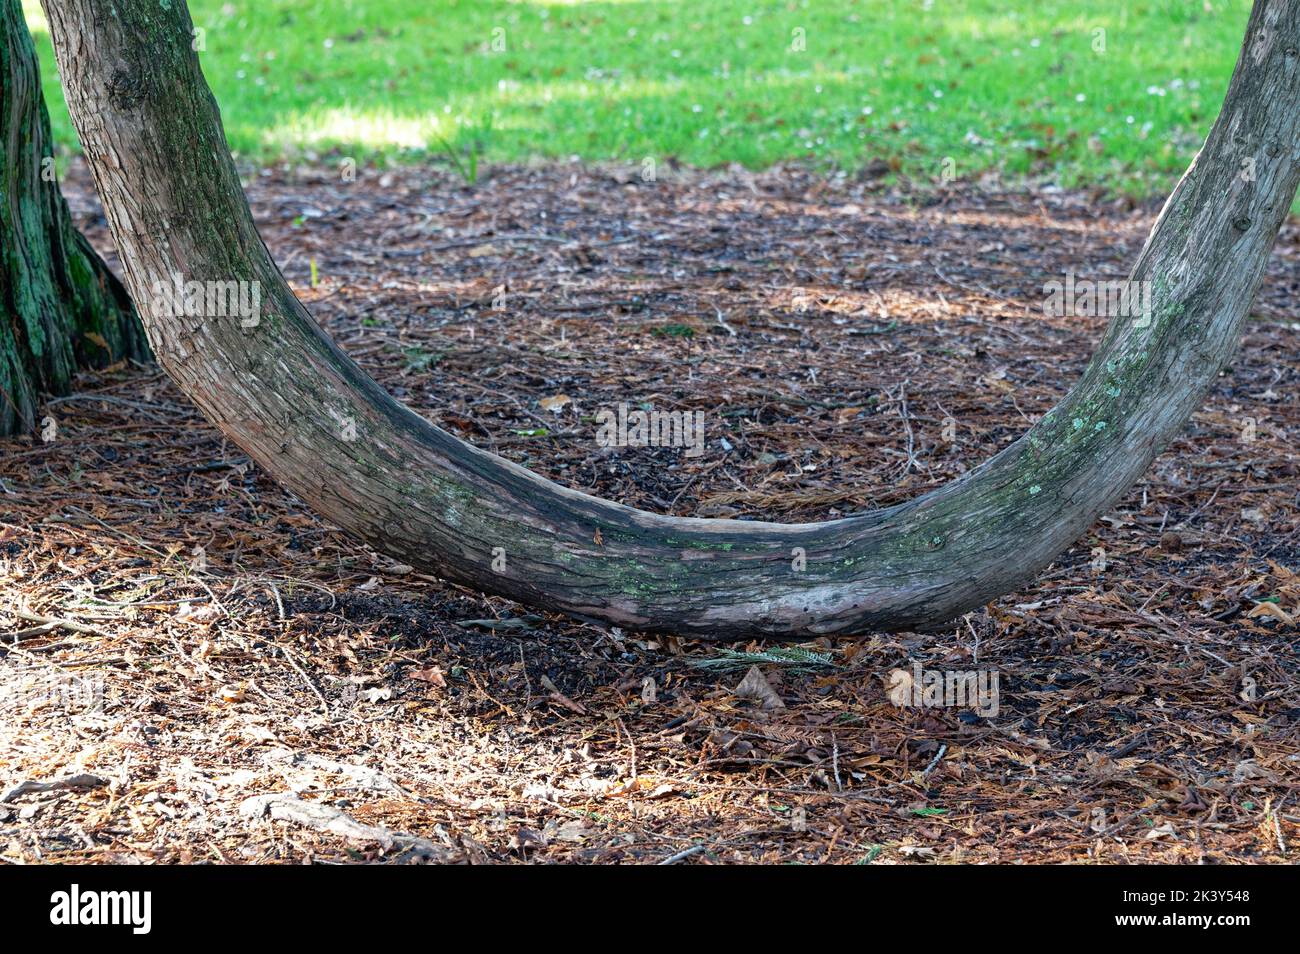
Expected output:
(60, 307)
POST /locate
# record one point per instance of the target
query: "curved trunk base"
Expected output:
(278, 386)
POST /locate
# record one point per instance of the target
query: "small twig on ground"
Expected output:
(49, 624)
(934, 761)
(321, 817)
(83, 781)
(682, 855)
(907, 425)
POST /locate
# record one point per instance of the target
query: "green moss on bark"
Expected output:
(60, 306)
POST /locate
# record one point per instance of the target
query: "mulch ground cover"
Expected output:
(196, 668)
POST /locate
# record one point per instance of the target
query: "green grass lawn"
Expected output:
(1086, 91)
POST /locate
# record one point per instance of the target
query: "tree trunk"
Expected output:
(283, 391)
(60, 306)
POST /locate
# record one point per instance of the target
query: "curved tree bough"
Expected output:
(284, 392)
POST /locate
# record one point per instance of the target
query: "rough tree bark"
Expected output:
(305, 412)
(60, 306)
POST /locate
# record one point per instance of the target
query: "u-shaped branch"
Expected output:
(306, 413)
